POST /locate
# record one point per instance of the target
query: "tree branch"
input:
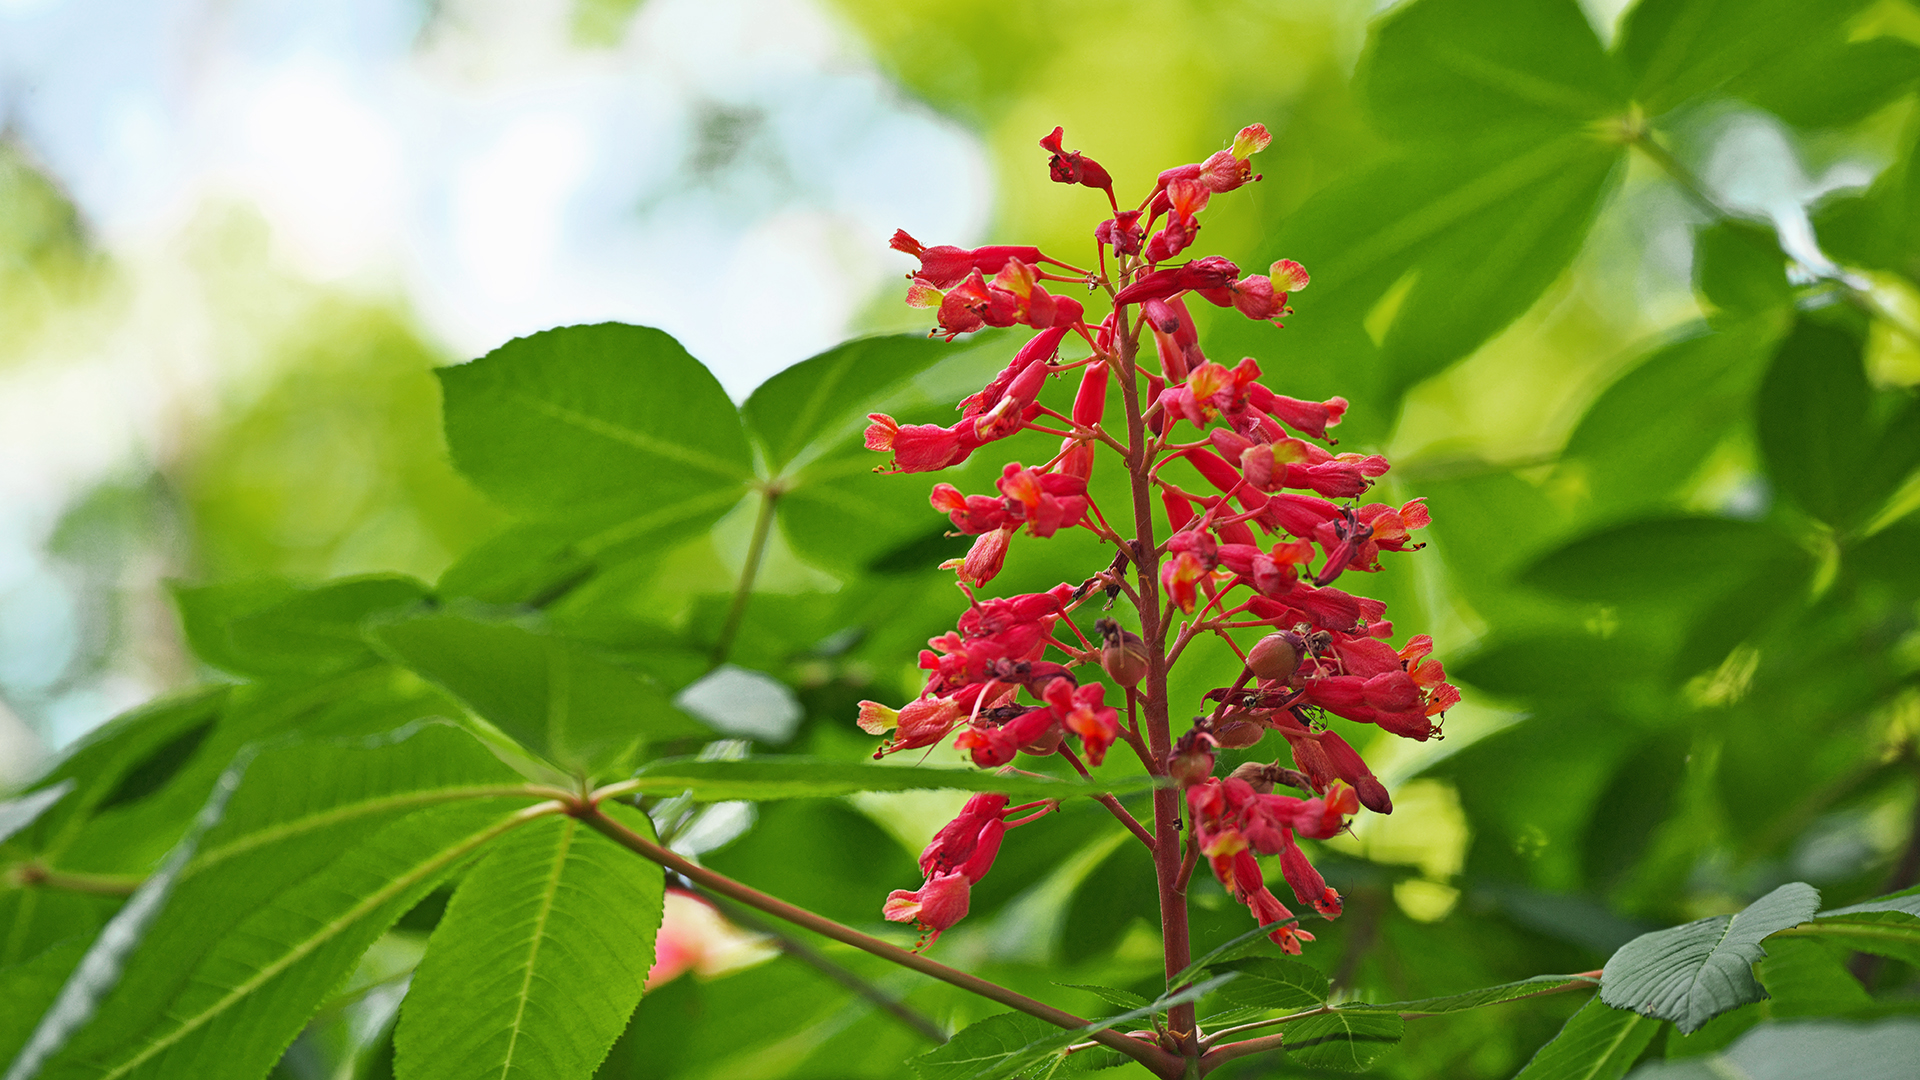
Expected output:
(1159, 1061)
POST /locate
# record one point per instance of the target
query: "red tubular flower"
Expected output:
(1310, 417)
(943, 267)
(920, 447)
(1083, 711)
(934, 907)
(968, 844)
(1122, 232)
(1073, 167)
(983, 560)
(923, 722)
(1209, 273)
(1039, 349)
(1307, 884)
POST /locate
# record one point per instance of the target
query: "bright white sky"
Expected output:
(497, 176)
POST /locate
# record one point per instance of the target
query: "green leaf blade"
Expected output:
(1443, 69)
(539, 960)
(587, 415)
(769, 778)
(1598, 1043)
(1347, 1040)
(1689, 974)
(552, 695)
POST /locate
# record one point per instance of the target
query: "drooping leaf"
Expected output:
(1659, 561)
(1739, 267)
(1444, 69)
(1690, 974)
(552, 695)
(1645, 436)
(539, 960)
(1268, 982)
(765, 778)
(1679, 49)
(1491, 995)
(1813, 422)
(1598, 1043)
(1428, 253)
(229, 1006)
(1832, 79)
(593, 415)
(1347, 1040)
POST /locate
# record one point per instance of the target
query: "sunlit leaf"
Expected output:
(1443, 69)
(539, 960)
(591, 415)
(1679, 49)
(1660, 560)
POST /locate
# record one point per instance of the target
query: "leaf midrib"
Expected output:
(533, 946)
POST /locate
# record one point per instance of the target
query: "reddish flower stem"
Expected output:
(1107, 800)
(1153, 630)
(1159, 1061)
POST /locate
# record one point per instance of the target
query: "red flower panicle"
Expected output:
(1267, 520)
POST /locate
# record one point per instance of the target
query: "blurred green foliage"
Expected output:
(1673, 558)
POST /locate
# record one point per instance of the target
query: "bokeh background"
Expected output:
(236, 237)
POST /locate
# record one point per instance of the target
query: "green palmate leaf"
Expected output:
(297, 808)
(1887, 926)
(1690, 974)
(982, 1045)
(1599, 1043)
(1346, 1040)
(271, 628)
(17, 814)
(100, 969)
(1878, 228)
(553, 695)
(810, 421)
(822, 403)
(1678, 49)
(231, 1005)
(128, 758)
(1273, 983)
(1428, 254)
(589, 415)
(1491, 995)
(1739, 267)
(1813, 421)
(318, 630)
(539, 960)
(1645, 435)
(1831, 80)
(30, 986)
(1442, 69)
(1809, 977)
(767, 778)
(1660, 560)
